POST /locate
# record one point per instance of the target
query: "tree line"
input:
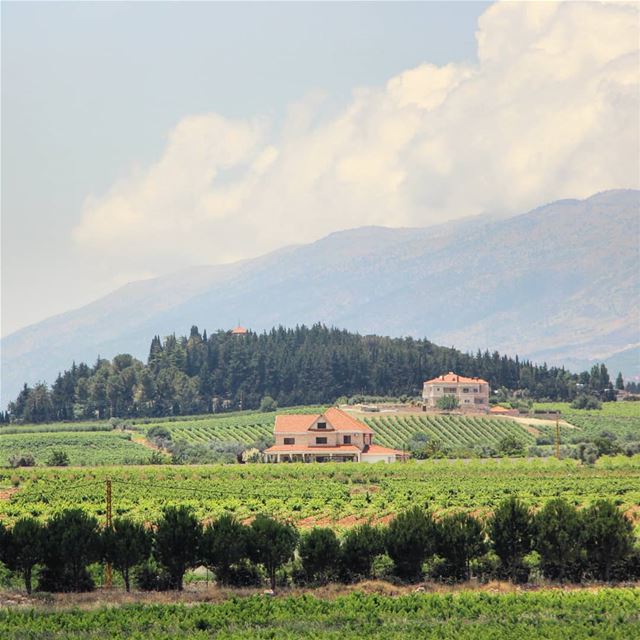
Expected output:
(560, 542)
(307, 365)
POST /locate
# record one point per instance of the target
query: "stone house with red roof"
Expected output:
(330, 436)
(472, 393)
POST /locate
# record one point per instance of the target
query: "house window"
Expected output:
(289, 440)
(347, 439)
(321, 441)
(465, 390)
(322, 425)
(449, 390)
(479, 400)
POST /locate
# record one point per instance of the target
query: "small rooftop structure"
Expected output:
(239, 331)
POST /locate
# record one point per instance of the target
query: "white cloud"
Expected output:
(549, 110)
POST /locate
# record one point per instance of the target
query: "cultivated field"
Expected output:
(554, 614)
(339, 494)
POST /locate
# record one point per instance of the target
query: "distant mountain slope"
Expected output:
(560, 283)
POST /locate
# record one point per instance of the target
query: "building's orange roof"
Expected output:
(300, 422)
(302, 448)
(376, 449)
(499, 409)
(239, 331)
(454, 377)
(342, 421)
(295, 422)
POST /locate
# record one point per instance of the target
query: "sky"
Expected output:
(141, 138)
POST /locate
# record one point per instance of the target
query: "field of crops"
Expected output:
(83, 448)
(233, 428)
(452, 431)
(340, 493)
(620, 409)
(555, 614)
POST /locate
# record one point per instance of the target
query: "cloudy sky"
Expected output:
(142, 138)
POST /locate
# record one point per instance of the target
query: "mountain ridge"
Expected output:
(558, 283)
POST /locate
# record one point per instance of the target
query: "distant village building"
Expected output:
(472, 393)
(331, 436)
(239, 331)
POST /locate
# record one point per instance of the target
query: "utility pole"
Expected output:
(557, 437)
(108, 571)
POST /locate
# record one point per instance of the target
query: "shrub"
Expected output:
(607, 536)
(447, 403)
(359, 547)
(72, 542)
(510, 446)
(558, 540)
(459, 540)
(177, 541)
(224, 546)
(126, 544)
(584, 401)
(319, 551)
(410, 539)
(272, 544)
(268, 404)
(511, 532)
(58, 458)
(22, 460)
(382, 567)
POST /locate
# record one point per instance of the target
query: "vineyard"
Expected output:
(452, 431)
(83, 448)
(554, 614)
(245, 429)
(340, 494)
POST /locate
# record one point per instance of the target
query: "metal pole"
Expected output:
(108, 569)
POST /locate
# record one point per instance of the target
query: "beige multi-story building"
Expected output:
(331, 436)
(472, 393)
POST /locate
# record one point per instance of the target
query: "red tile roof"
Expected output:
(320, 449)
(300, 422)
(376, 450)
(342, 421)
(454, 377)
(239, 331)
(295, 422)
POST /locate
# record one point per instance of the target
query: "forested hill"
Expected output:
(304, 365)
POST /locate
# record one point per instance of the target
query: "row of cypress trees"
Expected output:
(596, 543)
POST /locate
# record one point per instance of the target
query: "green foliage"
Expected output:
(459, 539)
(558, 536)
(360, 546)
(511, 530)
(475, 615)
(126, 544)
(448, 403)
(271, 544)
(410, 539)
(224, 546)
(71, 542)
(319, 551)
(58, 458)
(268, 404)
(306, 365)
(436, 435)
(82, 449)
(607, 536)
(322, 492)
(586, 402)
(25, 548)
(510, 445)
(177, 542)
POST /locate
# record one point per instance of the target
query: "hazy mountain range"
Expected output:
(559, 284)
